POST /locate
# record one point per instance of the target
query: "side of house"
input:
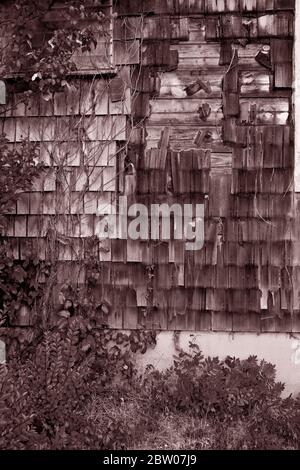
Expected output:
(195, 108)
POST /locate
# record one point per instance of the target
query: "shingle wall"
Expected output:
(199, 111)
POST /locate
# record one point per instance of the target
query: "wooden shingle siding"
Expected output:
(191, 115)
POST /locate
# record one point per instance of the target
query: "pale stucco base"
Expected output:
(280, 349)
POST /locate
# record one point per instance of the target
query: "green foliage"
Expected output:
(18, 279)
(77, 387)
(19, 283)
(45, 40)
(229, 394)
(43, 391)
(18, 168)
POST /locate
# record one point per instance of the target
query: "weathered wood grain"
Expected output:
(126, 52)
(282, 57)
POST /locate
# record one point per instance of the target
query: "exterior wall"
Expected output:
(150, 134)
(280, 349)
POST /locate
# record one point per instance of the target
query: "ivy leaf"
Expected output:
(36, 75)
(19, 274)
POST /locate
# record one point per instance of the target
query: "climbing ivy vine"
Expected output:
(40, 42)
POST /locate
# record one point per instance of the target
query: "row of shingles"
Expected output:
(83, 176)
(203, 270)
(252, 301)
(190, 7)
(124, 270)
(187, 174)
(151, 169)
(16, 127)
(184, 297)
(184, 115)
(93, 181)
(118, 285)
(125, 273)
(54, 126)
(239, 296)
(274, 29)
(262, 151)
(142, 85)
(178, 311)
(269, 155)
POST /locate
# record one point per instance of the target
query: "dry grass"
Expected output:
(173, 432)
(138, 428)
(167, 431)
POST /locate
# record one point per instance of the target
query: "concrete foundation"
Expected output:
(282, 350)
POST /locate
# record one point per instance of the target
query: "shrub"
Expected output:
(44, 389)
(231, 394)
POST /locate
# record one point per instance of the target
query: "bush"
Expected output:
(240, 398)
(44, 389)
(77, 387)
